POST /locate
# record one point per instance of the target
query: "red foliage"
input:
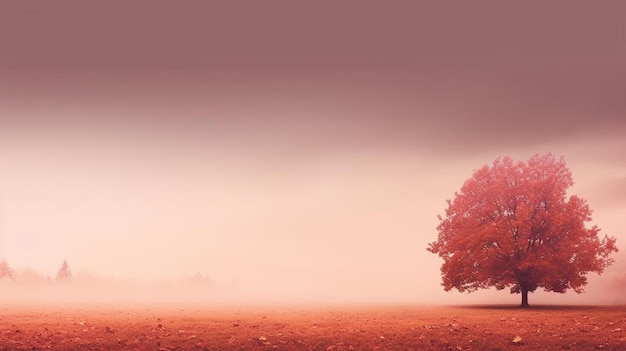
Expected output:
(512, 225)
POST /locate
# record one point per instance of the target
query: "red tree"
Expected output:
(512, 225)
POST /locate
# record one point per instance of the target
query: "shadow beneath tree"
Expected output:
(538, 307)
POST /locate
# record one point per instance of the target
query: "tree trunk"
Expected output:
(524, 298)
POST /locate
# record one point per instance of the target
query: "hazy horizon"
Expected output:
(303, 151)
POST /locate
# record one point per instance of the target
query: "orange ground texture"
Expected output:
(314, 328)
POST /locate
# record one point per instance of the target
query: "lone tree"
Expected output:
(512, 225)
(64, 274)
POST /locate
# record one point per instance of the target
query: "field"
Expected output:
(314, 328)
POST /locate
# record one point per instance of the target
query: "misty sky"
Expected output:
(299, 148)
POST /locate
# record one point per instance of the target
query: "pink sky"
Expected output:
(301, 150)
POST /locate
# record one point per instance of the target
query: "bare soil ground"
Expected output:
(314, 328)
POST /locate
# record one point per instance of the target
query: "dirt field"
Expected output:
(314, 328)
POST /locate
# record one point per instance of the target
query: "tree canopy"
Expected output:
(513, 225)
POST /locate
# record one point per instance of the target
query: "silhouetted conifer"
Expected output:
(5, 270)
(64, 274)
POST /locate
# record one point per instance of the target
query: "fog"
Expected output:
(285, 161)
